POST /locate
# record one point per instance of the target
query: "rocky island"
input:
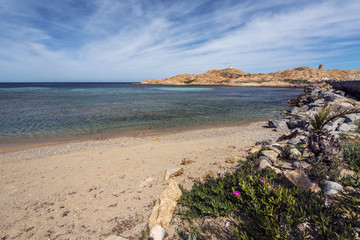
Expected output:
(233, 77)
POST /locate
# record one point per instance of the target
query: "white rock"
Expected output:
(294, 153)
(157, 232)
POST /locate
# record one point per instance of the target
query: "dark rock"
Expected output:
(273, 123)
(295, 123)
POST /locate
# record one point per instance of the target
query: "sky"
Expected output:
(131, 40)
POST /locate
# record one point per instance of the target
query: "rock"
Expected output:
(157, 233)
(301, 164)
(264, 142)
(331, 188)
(299, 178)
(294, 153)
(186, 161)
(271, 155)
(273, 123)
(346, 127)
(298, 140)
(208, 174)
(147, 182)
(165, 206)
(287, 135)
(173, 172)
(114, 237)
(232, 160)
(320, 101)
(346, 173)
(295, 123)
(264, 164)
(277, 148)
(255, 149)
(331, 97)
(306, 153)
(283, 126)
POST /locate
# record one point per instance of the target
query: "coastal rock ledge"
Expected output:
(233, 77)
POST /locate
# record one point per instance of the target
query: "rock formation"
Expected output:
(234, 77)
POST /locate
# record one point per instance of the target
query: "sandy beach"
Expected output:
(88, 189)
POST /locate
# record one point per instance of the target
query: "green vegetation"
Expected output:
(266, 206)
(188, 81)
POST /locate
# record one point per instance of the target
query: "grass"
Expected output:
(266, 206)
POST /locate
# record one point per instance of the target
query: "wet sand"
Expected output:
(87, 189)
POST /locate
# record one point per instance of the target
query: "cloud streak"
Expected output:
(110, 40)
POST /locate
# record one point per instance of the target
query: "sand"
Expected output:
(88, 189)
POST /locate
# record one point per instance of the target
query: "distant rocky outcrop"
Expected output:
(234, 77)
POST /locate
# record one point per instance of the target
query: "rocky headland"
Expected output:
(233, 77)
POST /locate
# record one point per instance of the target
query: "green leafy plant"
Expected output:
(267, 206)
(329, 112)
(351, 153)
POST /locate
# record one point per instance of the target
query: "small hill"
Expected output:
(234, 77)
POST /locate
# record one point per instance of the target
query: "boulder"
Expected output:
(298, 140)
(277, 148)
(295, 123)
(157, 233)
(165, 206)
(273, 123)
(255, 149)
(173, 172)
(331, 188)
(271, 155)
(320, 101)
(331, 97)
(346, 127)
(301, 164)
(294, 153)
(299, 178)
(264, 164)
(283, 127)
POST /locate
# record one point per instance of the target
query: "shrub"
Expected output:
(266, 206)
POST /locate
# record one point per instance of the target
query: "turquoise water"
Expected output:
(50, 110)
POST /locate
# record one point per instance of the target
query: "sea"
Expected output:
(48, 111)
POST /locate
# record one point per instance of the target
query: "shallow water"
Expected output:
(50, 110)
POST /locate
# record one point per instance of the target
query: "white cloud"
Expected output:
(134, 42)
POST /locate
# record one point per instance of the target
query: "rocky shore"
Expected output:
(296, 77)
(289, 156)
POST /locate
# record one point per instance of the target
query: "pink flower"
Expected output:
(237, 193)
(262, 180)
(231, 194)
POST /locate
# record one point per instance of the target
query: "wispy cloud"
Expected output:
(132, 40)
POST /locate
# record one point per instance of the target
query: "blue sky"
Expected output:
(130, 40)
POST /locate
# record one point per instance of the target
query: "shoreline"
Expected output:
(24, 144)
(88, 188)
